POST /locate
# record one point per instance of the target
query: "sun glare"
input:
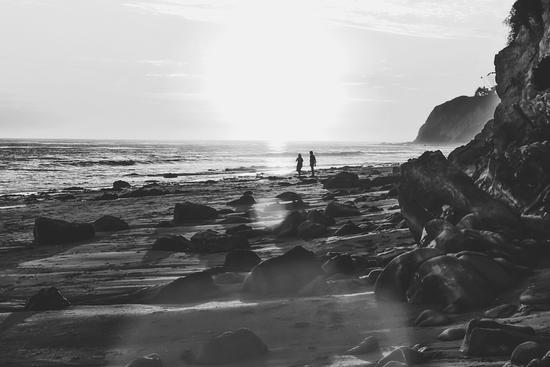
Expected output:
(276, 72)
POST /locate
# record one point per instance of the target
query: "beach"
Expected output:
(109, 324)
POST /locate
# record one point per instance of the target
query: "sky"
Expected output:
(347, 70)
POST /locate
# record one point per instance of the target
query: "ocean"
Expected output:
(30, 166)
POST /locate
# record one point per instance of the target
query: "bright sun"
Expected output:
(276, 72)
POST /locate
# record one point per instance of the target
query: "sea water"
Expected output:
(29, 166)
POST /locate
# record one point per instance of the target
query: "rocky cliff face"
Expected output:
(510, 158)
(458, 120)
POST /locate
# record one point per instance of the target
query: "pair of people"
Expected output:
(312, 163)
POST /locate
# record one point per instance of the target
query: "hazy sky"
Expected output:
(181, 69)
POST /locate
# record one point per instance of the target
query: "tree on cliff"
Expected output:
(520, 15)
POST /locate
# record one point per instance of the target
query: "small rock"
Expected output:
(289, 196)
(452, 334)
(527, 351)
(368, 345)
(189, 288)
(245, 200)
(47, 299)
(120, 185)
(210, 241)
(241, 260)
(190, 212)
(432, 318)
(308, 229)
(151, 360)
(342, 180)
(176, 243)
(335, 209)
(108, 223)
(348, 228)
(230, 347)
(501, 311)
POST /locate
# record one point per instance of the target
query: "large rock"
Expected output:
(109, 223)
(342, 180)
(335, 209)
(450, 283)
(431, 182)
(241, 260)
(187, 212)
(49, 231)
(231, 347)
(490, 338)
(210, 241)
(395, 279)
(458, 120)
(510, 158)
(284, 274)
(189, 288)
(47, 299)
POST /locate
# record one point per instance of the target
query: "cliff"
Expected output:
(510, 158)
(458, 120)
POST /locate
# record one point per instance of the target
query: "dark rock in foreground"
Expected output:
(191, 212)
(231, 347)
(49, 231)
(109, 223)
(241, 260)
(285, 274)
(47, 299)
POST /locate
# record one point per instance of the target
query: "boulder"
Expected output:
(210, 241)
(342, 180)
(396, 277)
(501, 311)
(446, 281)
(319, 217)
(231, 347)
(241, 260)
(489, 269)
(49, 231)
(289, 225)
(308, 229)
(335, 209)
(527, 351)
(490, 338)
(190, 212)
(176, 243)
(192, 287)
(47, 299)
(284, 274)
(339, 264)
(151, 360)
(120, 185)
(108, 223)
(348, 228)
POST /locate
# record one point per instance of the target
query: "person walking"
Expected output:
(300, 162)
(312, 163)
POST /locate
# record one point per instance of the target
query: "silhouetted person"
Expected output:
(300, 161)
(312, 163)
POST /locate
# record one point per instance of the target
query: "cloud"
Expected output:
(418, 18)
